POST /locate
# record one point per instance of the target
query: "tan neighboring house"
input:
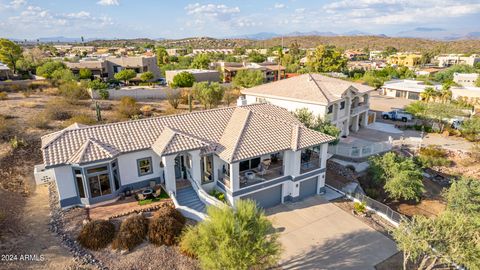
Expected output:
(343, 103)
(466, 79)
(271, 71)
(176, 51)
(107, 67)
(201, 75)
(446, 60)
(259, 152)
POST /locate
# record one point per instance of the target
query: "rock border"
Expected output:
(80, 254)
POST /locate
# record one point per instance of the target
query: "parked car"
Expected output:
(397, 115)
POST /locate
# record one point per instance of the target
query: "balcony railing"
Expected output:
(224, 178)
(359, 109)
(252, 177)
(310, 165)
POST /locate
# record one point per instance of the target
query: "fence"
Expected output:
(380, 209)
(346, 150)
(137, 93)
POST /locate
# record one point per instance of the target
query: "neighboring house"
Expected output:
(201, 75)
(446, 60)
(344, 103)
(465, 79)
(5, 72)
(260, 152)
(355, 55)
(470, 95)
(176, 51)
(376, 55)
(109, 66)
(365, 65)
(427, 71)
(404, 59)
(271, 71)
(260, 51)
(222, 51)
(407, 89)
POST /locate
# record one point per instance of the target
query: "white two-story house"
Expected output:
(260, 152)
(343, 103)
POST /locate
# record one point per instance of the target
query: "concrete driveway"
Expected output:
(316, 234)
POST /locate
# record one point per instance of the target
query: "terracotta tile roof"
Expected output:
(93, 150)
(234, 133)
(310, 88)
(172, 142)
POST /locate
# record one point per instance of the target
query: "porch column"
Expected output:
(346, 127)
(323, 155)
(365, 119)
(196, 166)
(355, 124)
(234, 176)
(169, 170)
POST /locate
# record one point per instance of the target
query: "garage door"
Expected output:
(308, 188)
(268, 197)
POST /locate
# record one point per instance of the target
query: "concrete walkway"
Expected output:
(316, 234)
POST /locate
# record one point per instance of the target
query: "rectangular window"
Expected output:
(94, 186)
(144, 166)
(116, 178)
(342, 105)
(249, 164)
(99, 181)
(79, 182)
(97, 170)
(330, 109)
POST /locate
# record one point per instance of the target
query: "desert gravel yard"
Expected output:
(316, 234)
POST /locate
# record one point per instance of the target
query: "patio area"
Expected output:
(128, 205)
(252, 177)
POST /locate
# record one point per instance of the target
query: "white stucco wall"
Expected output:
(65, 183)
(127, 164)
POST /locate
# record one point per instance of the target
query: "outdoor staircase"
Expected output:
(187, 196)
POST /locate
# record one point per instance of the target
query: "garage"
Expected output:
(308, 188)
(267, 197)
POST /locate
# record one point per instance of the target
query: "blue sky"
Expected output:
(180, 18)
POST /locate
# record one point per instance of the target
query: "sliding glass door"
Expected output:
(99, 181)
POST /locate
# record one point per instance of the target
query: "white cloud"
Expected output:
(78, 15)
(211, 10)
(108, 2)
(16, 4)
(279, 5)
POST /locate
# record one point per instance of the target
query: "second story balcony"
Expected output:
(261, 171)
(359, 108)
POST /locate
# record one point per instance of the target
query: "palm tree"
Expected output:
(428, 93)
(445, 93)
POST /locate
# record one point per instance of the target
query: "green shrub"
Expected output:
(359, 207)
(3, 96)
(217, 194)
(40, 121)
(240, 238)
(16, 142)
(433, 155)
(128, 107)
(80, 119)
(168, 211)
(57, 110)
(96, 234)
(103, 93)
(164, 230)
(73, 91)
(132, 233)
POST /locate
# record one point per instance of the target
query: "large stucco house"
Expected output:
(345, 104)
(260, 151)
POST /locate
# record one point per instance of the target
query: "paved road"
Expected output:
(316, 234)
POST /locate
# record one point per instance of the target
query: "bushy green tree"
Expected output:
(63, 75)
(85, 74)
(326, 59)
(447, 74)
(147, 76)
(233, 238)
(256, 57)
(10, 53)
(209, 94)
(401, 177)
(471, 129)
(248, 78)
(201, 61)
(306, 117)
(97, 85)
(46, 70)
(125, 75)
(183, 79)
(464, 196)
(162, 56)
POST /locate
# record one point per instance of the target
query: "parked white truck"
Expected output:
(399, 115)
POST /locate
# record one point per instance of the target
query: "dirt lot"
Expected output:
(24, 211)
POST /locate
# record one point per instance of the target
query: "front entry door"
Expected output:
(180, 170)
